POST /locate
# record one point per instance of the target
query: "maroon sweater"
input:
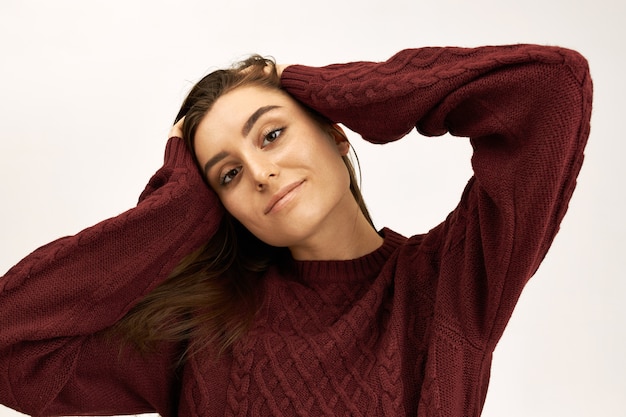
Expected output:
(406, 330)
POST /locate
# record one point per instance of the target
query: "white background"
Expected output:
(88, 90)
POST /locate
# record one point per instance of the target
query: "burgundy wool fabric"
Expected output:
(406, 330)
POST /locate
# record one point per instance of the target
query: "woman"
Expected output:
(296, 305)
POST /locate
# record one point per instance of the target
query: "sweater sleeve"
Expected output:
(56, 302)
(526, 110)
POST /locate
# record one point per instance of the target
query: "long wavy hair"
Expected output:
(210, 299)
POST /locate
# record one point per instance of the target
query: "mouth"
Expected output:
(282, 197)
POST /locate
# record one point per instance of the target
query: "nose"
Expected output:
(262, 185)
(262, 171)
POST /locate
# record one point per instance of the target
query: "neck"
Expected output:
(348, 238)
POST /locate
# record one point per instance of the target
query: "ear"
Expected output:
(341, 140)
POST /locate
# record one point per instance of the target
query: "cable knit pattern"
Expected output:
(406, 330)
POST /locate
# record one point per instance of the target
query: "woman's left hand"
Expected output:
(280, 68)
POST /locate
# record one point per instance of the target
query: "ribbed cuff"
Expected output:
(297, 78)
(177, 154)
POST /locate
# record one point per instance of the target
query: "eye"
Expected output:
(271, 136)
(229, 176)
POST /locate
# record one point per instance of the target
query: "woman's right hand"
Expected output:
(177, 129)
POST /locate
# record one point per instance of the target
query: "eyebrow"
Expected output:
(211, 162)
(245, 130)
(247, 127)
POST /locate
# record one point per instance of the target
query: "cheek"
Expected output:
(241, 207)
(234, 206)
(335, 169)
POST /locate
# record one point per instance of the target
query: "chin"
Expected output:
(284, 238)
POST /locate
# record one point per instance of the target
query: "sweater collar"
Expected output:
(364, 267)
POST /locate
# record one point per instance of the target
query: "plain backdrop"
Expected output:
(89, 89)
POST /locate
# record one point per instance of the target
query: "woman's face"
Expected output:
(275, 169)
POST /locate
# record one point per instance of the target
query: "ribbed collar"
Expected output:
(365, 267)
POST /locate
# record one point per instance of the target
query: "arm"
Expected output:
(526, 109)
(55, 303)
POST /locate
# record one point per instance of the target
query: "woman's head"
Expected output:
(225, 272)
(278, 167)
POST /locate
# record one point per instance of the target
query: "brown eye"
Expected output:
(271, 136)
(229, 176)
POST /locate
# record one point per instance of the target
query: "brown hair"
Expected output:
(210, 298)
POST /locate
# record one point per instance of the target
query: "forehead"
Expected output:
(237, 105)
(230, 112)
(228, 115)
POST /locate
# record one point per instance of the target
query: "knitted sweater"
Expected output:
(406, 330)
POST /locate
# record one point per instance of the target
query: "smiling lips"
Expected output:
(283, 196)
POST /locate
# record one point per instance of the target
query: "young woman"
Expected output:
(249, 279)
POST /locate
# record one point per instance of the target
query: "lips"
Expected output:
(282, 196)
